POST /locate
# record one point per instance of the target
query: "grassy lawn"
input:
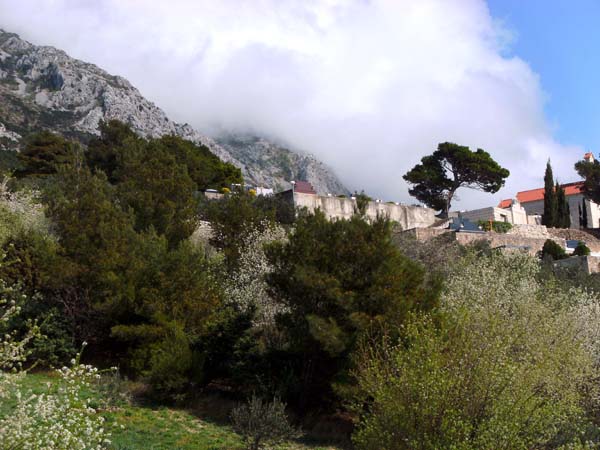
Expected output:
(162, 428)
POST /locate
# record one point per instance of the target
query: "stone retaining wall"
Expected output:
(343, 208)
(576, 235)
(530, 231)
(586, 264)
(510, 241)
(531, 245)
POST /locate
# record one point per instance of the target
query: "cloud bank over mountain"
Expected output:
(369, 87)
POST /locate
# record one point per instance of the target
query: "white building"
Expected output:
(533, 202)
(260, 190)
(509, 211)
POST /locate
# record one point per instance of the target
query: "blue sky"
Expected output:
(560, 40)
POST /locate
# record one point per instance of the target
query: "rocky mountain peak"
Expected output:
(42, 87)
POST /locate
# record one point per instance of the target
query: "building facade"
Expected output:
(584, 213)
(533, 202)
(508, 211)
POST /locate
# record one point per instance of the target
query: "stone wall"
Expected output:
(508, 241)
(576, 235)
(530, 231)
(531, 245)
(343, 208)
(425, 234)
(586, 264)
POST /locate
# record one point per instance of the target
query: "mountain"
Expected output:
(270, 164)
(42, 87)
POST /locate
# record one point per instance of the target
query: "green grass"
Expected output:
(165, 428)
(136, 426)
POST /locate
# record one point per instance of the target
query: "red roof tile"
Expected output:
(304, 187)
(507, 203)
(535, 195)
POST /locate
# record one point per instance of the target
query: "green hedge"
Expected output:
(498, 227)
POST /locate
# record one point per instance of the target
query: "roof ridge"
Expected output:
(537, 194)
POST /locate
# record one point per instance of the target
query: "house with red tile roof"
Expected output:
(505, 203)
(532, 201)
(528, 206)
(303, 187)
(534, 195)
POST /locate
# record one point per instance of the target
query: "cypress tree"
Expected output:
(584, 217)
(567, 211)
(549, 218)
(563, 217)
(558, 192)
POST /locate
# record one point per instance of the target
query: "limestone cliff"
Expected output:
(44, 88)
(270, 164)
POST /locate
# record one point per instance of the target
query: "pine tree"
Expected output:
(549, 218)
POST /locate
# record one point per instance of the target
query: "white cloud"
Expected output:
(367, 86)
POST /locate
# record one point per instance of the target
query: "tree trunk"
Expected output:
(446, 210)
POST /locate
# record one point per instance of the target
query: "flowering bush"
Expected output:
(13, 351)
(509, 363)
(61, 417)
(246, 286)
(20, 211)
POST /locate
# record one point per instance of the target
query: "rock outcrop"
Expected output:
(44, 88)
(270, 164)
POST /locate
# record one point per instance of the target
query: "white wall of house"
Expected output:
(263, 191)
(514, 215)
(593, 210)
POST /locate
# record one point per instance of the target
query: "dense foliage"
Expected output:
(239, 213)
(557, 212)
(583, 214)
(57, 417)
(553, 251)
(590, 172)
(337, 280)
(581, 249)
(44, 153)
(433, 344)
(436, 179)
(550, 215)
(498, 227)
(563, 219)
(118, 145)
(513, 365)
(118, 269)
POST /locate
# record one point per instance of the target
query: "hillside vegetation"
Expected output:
(143, 327)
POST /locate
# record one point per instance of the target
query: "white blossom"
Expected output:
(24, 207)
(60, 417)
(247, 287)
